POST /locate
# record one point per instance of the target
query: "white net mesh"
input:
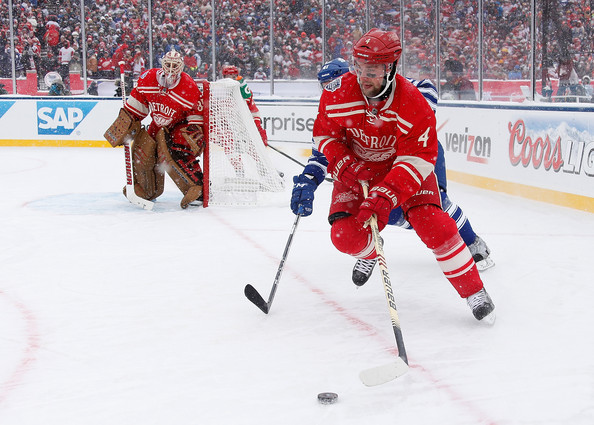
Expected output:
(239, 167)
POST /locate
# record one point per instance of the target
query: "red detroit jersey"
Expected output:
(400, 129)
(166, 106)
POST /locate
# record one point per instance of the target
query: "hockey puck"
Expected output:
(327, 398)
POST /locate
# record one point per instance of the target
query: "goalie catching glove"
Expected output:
(380, 201)
(125, 125)
(193, 134)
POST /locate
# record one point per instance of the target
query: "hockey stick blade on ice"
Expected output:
(381, 374)
(385, 373)
(253, 295)
(130, 193)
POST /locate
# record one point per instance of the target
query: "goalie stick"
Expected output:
(328, 179)
(130, 193)
(253, 295)
(385, 373)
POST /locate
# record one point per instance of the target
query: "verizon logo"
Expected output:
(476, 148)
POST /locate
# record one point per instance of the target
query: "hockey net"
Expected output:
(237, 168)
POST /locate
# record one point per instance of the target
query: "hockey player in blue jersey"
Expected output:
(314, 173)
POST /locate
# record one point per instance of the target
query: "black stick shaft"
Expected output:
(293, 159)
(252, 294)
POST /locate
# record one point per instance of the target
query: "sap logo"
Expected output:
(5, 106)
(61, 117)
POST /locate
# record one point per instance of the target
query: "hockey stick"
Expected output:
(382, 374)
(130, 193)
(328, 179)
(252, 294)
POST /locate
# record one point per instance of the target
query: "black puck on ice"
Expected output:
(327, 398)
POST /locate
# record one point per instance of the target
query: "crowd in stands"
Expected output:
(48, 36)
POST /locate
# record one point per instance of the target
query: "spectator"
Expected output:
(92, 65)
(515, 74)
(192, 62)
(457, 86)
(585, 89)
(65, 56)
(260, 74)
(568, 79)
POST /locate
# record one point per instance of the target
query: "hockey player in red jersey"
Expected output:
(231, 71)
(374, 126)
(173, 142)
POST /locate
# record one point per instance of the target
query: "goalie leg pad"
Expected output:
(125, 125)
(181, 165)
(149, 181)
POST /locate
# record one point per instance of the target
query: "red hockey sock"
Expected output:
(438, 231)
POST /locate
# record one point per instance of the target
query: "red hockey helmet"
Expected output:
(229, 70)
(378, 46)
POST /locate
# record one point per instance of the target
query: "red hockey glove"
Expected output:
(381, 201)
(350, 172)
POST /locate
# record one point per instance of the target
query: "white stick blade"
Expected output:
(381, 374)
(137, 200)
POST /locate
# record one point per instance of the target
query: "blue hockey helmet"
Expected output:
(332, 70)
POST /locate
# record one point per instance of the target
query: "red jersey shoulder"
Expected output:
(148, 78)
(187, 88)
(344, 89)
(410, 98)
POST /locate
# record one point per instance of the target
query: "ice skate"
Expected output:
(481, 254)
(482, 306)
(362, 271)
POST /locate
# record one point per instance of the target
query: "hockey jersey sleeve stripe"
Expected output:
(322, 141)
(195, 119)
(409, 170)
(184, 102)
(349, 105)
(404, 130)
(136, 107)
(404, 123)
(416, 166)
(346, 113)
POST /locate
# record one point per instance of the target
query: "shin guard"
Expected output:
(438, 231)
(148, 180)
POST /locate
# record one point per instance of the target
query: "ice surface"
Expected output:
(110, 314)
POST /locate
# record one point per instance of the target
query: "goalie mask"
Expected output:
(172, 66)
(380, 51)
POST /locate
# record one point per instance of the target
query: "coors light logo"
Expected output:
(568, 149)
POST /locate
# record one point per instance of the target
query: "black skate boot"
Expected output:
(362, 271)
(482, 306)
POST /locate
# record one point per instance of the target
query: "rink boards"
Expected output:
(538, 151)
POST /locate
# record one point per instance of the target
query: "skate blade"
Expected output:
(485, 264)
(489, 319)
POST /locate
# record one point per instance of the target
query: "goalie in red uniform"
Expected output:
(374, 126)
(173, 142)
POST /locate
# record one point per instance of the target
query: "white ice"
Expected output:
(112, 315)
